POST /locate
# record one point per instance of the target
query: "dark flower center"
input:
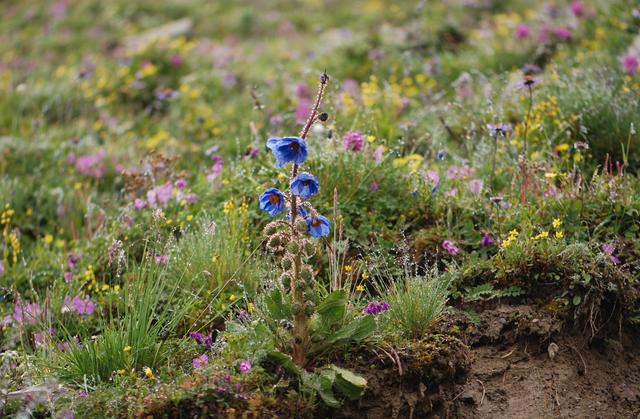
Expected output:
(294, 146)
(305, 182)
(274, 199)
(315, 222)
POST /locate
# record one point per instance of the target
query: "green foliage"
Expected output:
(134, 338)
(416, 302)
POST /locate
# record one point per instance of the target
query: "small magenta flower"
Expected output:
(181, 183)
(200, 361)
(68, 276)
(487, 240)
(162, 259)
(630, 64)
(608, 249)
(245, 366)
(522, 31)
(450, 247)
(139, 203)
(353, 141)
(374, 187)
(272, 201)
(562, 33)
(304, 185)
(288, 149)
(72, 261)
(577, 8)
(318, 226)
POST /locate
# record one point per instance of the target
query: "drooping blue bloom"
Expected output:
(302, 212)
(304, 185)
(272, 201)
(287, 149)
(318, 226)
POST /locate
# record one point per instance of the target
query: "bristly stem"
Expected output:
(301, 323)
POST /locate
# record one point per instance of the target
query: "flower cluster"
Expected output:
(81, 306)
(375, 307)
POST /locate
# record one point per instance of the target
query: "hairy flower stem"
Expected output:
(523, 159)
(301, 320)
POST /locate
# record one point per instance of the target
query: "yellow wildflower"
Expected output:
(559, 234)
(557, 223)
(127, 349)
(48, 238)
(359, 288)
(148, 372)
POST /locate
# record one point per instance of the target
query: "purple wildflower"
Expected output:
(374, 307)
(450, 247)
(577, 8)
(68, 276)
(487, 240)
(608, 249)
(200, 361)
(374, 187)
(353, 141)
(562, 33)
(181, 183)
(160, 195)
(162, 259)
(475, 185)
(1, 268)
(72, 261)
(139, 203)
(522, 31)
(245, 366)
(630, 64)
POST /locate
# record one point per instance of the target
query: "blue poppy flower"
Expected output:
(318, 226)
(287, 149)
(304, 185)
(272, 201)
(301, 212)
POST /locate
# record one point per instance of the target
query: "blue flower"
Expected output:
(272, 201)
(301, 212)
(318, 226)
(304, 185)
(287, 149)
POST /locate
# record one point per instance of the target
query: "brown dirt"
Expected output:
(519, 362)
(532, 370)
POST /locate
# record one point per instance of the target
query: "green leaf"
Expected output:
(322, 383)
(354, 331)
(333, 308)
(348, 383)
(285, 360)
(576, 300)
(276, 306)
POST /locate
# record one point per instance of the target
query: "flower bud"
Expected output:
(286, 281)
(306, 274)
(293, 247)
(286, 263)
(309, 310)
(309, 248)
(274, 242)
(323, 116)
(301, 225)
(270, 229)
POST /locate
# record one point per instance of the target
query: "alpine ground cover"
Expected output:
(227, 208)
